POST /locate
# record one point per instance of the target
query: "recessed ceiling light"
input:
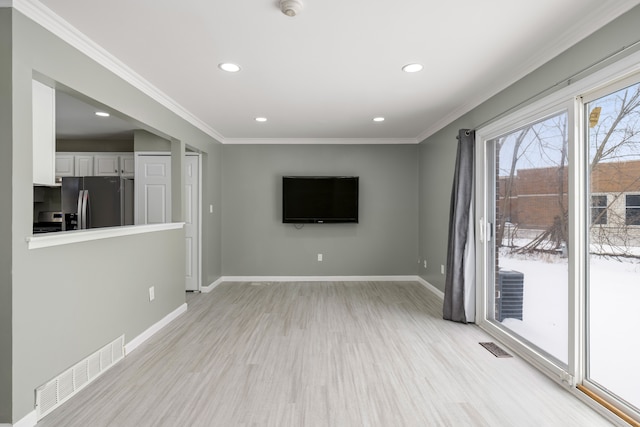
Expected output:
(412, 68)
(229, 67)
(261, 119)
(102, 114)
(378, 119)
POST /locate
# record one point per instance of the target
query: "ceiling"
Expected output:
(77, 119)
(325, 74)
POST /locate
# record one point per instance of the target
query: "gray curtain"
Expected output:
(459, 290)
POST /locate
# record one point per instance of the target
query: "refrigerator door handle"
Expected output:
(80, 225)
(85, 209)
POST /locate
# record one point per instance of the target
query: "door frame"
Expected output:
(137, 154)
(199, 208)
(565, 375)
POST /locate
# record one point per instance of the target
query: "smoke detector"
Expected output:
(290, 7)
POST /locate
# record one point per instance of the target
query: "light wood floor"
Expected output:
(320, 354)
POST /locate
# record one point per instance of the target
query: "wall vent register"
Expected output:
(55, 392)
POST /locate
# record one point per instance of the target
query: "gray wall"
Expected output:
(5, 214)
(256, 242)
(146, 141)
(69, 300)
(94, 145)
(212, 221)
(437, 153)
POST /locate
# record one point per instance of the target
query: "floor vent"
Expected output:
(60, 389)
(494, 349)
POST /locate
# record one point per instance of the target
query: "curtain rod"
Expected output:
(566, 81)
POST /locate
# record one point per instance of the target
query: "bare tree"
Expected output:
(613, 139)
(608, 146)
(508, 192)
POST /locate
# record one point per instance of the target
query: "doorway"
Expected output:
(153, 204)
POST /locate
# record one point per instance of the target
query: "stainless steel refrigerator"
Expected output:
(97, 201)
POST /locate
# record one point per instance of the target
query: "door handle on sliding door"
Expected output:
(486, 230)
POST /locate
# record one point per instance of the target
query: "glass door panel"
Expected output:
(528, 254)
(613, 293)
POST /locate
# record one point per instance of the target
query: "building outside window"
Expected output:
(598, 209)
(633, 209)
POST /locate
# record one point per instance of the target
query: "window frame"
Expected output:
(636, 207)
(603, 218)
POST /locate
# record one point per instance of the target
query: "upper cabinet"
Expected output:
(95, 164)
(83, 165)
(65, 165)
(44, 134)
(127, 166)
(106, 165)
(114, 165)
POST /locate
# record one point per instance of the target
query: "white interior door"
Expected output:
(153, 189)
(192, 221)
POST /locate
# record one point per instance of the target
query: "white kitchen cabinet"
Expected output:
(106, 165)
(65, 165)
(127, 166)
(114, 165)
(83, 165)
(44, 133)
(95, 164)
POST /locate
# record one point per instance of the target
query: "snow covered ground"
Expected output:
(614, 338)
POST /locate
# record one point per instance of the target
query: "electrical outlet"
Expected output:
(319, 257)
(441, 268)
(425, 264)
(152, 293)
(210, 208)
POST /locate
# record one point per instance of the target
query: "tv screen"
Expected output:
(319, 199)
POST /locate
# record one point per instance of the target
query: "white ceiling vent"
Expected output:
(60, 389)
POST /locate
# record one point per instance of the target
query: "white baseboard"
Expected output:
(137, 341)
(209, 288)
(432, 288)
(418, 279)
(312, 279)
(29, 420)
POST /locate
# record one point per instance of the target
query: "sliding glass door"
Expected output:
(527, 234)
(558, 206)
(613, 279)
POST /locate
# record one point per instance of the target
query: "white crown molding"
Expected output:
(324, 141)
(45, 17)
(598, 18)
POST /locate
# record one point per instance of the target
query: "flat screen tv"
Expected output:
(319, 199)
